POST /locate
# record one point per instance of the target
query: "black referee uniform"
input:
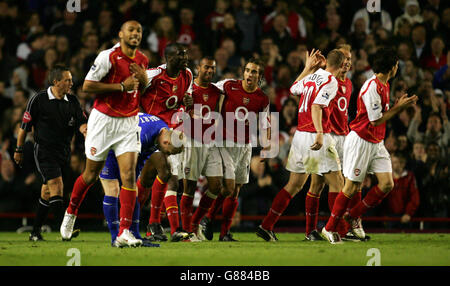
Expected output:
(55, 122)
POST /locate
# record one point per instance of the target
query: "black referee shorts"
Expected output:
(51, 164)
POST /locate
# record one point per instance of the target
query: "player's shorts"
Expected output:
(111, 170)
(302, 159)
(362, 157)
(339, 140)
(175, 164)
(50, 163)
(121, 134)
(203, 160)
(236, 163)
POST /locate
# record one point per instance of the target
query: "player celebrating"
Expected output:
(168, 87)
(242, 98)
(202, 157)
(112, 124)
(312, 150)
(339, 130)
(364, 151)
(156, 142)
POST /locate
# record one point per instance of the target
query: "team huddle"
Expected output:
(153, 129)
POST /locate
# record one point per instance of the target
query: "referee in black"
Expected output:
(55, 115)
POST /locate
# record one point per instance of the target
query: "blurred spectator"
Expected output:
(412, 13)
(234, 61)
(437, 58)
(69, 28)
(248, 22)
(281, 35)
(221, 56)
(228, 31)
(186, 33)
(288, 115)
(296, 25)
(404, 199)
(435, 193)
(371, 22)
(162, 34)
(437, 130)
(215, 19)
(419, 40)
(442, 76)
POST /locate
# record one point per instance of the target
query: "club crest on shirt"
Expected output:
(26, 117)
(205, 97)
(174, 88)
(71, 121)
(245, 100)
(93, 151)
(344, 88)
(187, 170)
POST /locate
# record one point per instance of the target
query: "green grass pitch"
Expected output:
(291, 250)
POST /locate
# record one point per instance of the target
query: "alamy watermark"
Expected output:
(73, 6)
(373, 6)
(375, 255)
(75, 255)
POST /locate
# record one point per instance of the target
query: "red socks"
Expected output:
(127, 201)
(311, 211)
(372, 199)
(186, 207)
(158, 191)
(79, 191)
(339, 208)
(204, 205)
(216, 206)
(279, 204)
(170, 201)
(230, 205)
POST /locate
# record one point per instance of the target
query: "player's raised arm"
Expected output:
(314, 60)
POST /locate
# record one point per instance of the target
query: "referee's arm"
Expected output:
(29, 114)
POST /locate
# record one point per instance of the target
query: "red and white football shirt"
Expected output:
(373, 100)
(239, 105)
(339, 108)
(317, 88)
(164, 95)
(205, 101)
(112, 66)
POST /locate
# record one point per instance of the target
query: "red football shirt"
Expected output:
(317, 88)
(205, 101)
(112, 66)
(373, 100)
(164, 95)
(240, 107)
(339, 108)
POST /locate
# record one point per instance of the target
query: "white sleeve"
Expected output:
(151, 74)
(265, 120)
(221, 83)
(189, 91)
(372, 101)
(100, 68)
(297, 88)
(326, 93)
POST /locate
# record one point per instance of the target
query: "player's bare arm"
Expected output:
(313, 61)
(129, 84)
(316, 115)
(403, 102)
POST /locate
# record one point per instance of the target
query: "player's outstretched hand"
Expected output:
(405, 101)
(318, 142)
(131, 83)
(140, 73)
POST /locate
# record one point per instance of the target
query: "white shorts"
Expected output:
(362, 157)
(121, 134)
(339, 140)
(236, 163)
(302, 159)
(175, 164)
(203, 160)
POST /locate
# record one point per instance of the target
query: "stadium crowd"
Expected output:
(35, 35)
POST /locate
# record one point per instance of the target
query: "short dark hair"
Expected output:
(56, 73)
(385, 59)
(335, 58)
(172, 48)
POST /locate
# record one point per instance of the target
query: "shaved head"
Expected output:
(131, 22)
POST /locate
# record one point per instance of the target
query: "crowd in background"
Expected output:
(37, 34)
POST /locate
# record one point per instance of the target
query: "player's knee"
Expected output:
(172, 183)
(215, 187)
(128, 176)
(164, 176)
